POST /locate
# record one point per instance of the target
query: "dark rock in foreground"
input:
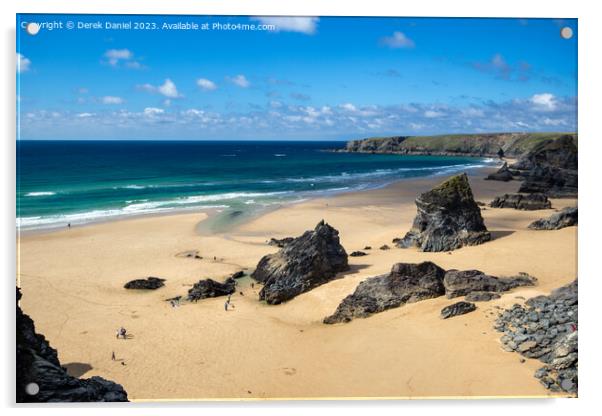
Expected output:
(358, 254)
(461, 283)
(528, 202)
(458, 308)
(546, 328)
(503, 174)
(565, 218)
(209, 288)
(448, 218)
(481, 296)
(280, 242)
(304, 263)
(150, 283)
(405, 283)
(37, 362)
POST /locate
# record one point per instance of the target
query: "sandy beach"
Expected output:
(72, 282)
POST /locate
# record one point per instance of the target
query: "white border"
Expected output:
(590, 139)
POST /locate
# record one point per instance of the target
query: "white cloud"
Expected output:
(239, 80)
(433, 114)
(545, 101)
(114, 56)
(167, 89)
(398, 40)
(206, 84)
(23, 63)
(348, 107)
(153, 111)
(111, 100)
(85, 115)
(306, 25)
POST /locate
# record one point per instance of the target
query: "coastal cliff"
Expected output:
(489, 145)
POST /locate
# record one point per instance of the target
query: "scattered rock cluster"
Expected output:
(307, 261)
(37, 362)
(528, 202)
(150, 283)
(546, 328)
(565, 218)
(209, 288)
(448, 218)
(408, 282)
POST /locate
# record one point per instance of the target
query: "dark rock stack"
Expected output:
(150, 283)
(404, 284)
(358, 254)
(408, 282)
(448, 218)
(238, 275)
(550, 168)
(458, 308)
(462, 283)
(546, 328)
(209, 288)
(565, 218)
(528, 202)
(304, 263)
(503, 174)
(37, 362)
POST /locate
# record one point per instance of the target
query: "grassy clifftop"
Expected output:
(512, 144)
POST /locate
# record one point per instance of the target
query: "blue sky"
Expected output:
(302, 78)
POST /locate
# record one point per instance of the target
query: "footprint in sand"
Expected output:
(289, 371)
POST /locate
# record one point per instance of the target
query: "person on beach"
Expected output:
(226, 304)
(112, 355)
(68, 225)
(121, 333)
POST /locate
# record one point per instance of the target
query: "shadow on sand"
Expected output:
(77, 369)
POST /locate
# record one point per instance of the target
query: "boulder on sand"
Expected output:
(448, 218)
(209, 288)
(150, 283)
(406, 283)
(458, 308)
(565, 218)
(463, 282)
(528, 202)
(503, 174)
(307, 261)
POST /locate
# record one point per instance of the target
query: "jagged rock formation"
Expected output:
(565, 218)
(550, 168)
(462, 283)
(238, 275)
(529, 202)
(405, 283)
(304, 263)
(209, 288)
(546, 328)
(358, 254)
(408, 282)
(448, 218)
(150, 283)
(503, 174)
(458, 308)
(37, 362)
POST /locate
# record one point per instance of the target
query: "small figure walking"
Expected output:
(121, 332)
(68, 225)
(226, 305)
(113, 356)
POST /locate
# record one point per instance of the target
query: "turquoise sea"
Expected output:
(61, 182)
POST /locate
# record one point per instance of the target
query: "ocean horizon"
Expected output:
(62, 182)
